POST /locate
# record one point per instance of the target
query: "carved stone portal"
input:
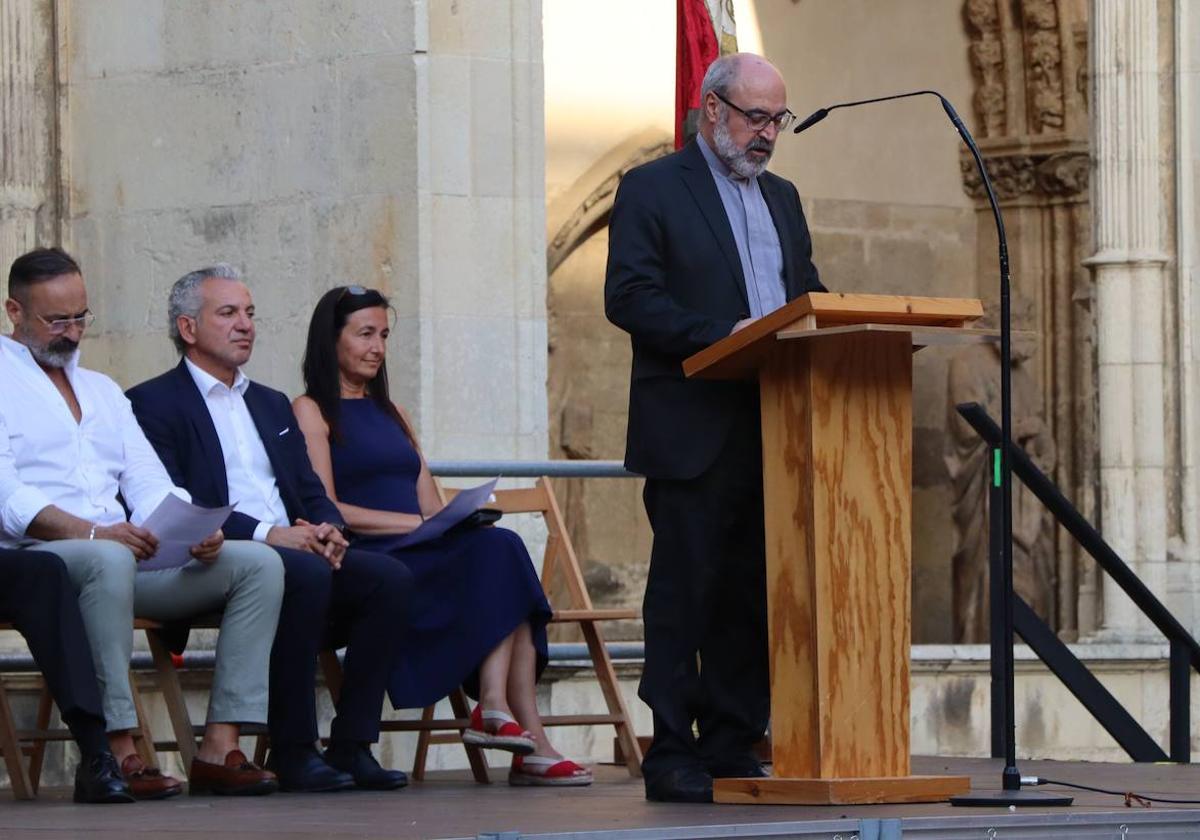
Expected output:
(1029, 58)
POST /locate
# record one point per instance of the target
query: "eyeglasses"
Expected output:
(757, 119)
(60, 325)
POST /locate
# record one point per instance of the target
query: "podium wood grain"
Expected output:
(835, 381)
(770, 791)
(741, 354)
(837, 473)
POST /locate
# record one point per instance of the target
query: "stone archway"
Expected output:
(584, 207)
(588, 380)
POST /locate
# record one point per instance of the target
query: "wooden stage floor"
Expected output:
(451, 806)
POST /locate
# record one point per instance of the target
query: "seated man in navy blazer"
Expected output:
(226, 439)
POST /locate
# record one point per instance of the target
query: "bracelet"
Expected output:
(92, 533)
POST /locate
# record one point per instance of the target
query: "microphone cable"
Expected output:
(1130, 797)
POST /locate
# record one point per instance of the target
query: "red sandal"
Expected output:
(541, 771)
(508, 736)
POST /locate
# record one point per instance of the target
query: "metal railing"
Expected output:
(531, 469)
(1109, 713)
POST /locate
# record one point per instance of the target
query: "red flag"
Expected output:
(696, 48)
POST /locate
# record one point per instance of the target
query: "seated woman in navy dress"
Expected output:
(479, 616)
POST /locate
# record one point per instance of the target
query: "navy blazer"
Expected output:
(175, 418)
(674, 282)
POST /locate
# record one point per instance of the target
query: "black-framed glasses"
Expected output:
(60, 325)
(758, 119)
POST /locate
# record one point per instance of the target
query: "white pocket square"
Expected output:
(285, 431)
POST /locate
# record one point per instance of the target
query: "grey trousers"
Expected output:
(246, 582)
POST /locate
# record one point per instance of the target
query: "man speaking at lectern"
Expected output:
(702, 242)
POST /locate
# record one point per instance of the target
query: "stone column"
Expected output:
(26, 127)
(1129, 269)
(1187, 100)
(481, 229)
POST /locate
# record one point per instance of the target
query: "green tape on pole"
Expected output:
(996, 467)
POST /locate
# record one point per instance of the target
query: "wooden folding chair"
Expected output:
(559, 566)
(427, 726)
(171, 688)
(17, 744)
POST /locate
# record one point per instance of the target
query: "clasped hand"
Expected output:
(144, 544)
(324, 539)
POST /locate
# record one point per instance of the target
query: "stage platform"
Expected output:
(451, 806)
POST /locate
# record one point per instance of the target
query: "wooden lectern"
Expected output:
(835, 379)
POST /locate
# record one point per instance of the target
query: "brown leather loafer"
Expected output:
(237, 776)
(148, 782)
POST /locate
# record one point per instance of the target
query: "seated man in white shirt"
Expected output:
(69, 444)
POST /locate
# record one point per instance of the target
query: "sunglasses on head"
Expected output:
(353, 290)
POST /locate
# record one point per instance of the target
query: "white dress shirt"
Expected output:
(252, 486)
(46, 458)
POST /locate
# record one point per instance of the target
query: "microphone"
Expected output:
(821, 113)
(813, 118)
(1010, 777)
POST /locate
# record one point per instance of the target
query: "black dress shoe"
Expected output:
(682, 784)
(98, 779)
(740, 767)
(302, 770)
(356, 759)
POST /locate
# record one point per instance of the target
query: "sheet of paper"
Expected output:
(461, 506)
(179, 525)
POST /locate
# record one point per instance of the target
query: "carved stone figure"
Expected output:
(974, 376)
(987, 58)
(1045, 80)
(1030, 62)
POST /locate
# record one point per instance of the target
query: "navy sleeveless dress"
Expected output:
(471, 589)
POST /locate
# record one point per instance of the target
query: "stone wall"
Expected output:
(395, 145)
(192, 138)
(890, 249)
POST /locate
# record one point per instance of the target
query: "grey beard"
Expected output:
(56, 354)
(735, 158)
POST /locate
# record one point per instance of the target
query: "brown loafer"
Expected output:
(237, 776)
(148, 782)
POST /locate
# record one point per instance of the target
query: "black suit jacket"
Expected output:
(675, 284)
(176, 421)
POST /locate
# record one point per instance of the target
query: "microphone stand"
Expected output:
(1010, 792)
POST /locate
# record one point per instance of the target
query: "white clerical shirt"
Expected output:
(46, 458)
(754, 234)
(252, 486)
